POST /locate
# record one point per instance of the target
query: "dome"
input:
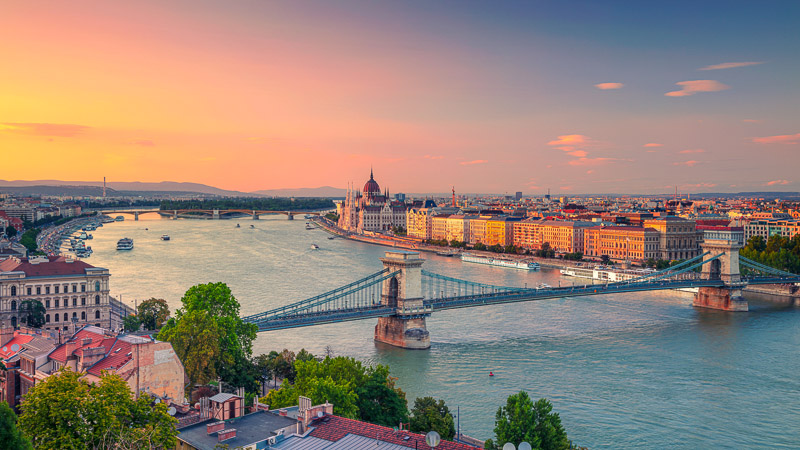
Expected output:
(371, 187)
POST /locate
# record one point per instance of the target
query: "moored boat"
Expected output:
(500, 262)
(164, 237)
(125, 244)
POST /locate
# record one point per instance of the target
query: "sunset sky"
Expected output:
(578, 97)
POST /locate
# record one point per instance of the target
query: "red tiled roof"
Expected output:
(56, 266)
(338, 427)
(18, 340)
(114, 360)
(97, 340)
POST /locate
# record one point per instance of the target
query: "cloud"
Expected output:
(690, 163)
(476, 161)
(607, 86)
(433, 157)
(780, 139)
(594, 161)
(589, 172)
(144, 143)
(697, 150)
(731, 65)
(579, 153)
(653, 144)
(569, 142)
(776, 182)
(694, 86)
(44, 129)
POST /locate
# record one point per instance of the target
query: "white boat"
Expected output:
(603, 273)
(314, 247)
(500, 262)
(164, 237)
(119, 219)
(125, 244)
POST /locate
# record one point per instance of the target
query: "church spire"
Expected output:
(370, 173)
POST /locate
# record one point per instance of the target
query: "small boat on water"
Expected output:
(314, 247)
(125, 244)
(238, 226)
(252, 226)
(330, 238)
(164, 237)
(447, 253)
(119, 219)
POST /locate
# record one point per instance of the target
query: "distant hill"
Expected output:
(324, 191)
(122, 188)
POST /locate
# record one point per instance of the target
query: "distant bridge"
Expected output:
(402, 295)
(209, 213)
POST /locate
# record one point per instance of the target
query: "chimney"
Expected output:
(212, 428)
(282, 412)
(6, 335)
(70, 347)
(224, 435)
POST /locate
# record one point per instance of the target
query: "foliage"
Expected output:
(605, 259)
(32, 313)
(153, 313)
(11, 231)
(251, 203)
(358, 392)
(458, 244)
(399, 231)
(523, 420)
(131, 323)
(210, 337)
(479, 246)
(65, 411)
(777, 251)
(28, 239)
(577, 256)
(429, 414)
(9, 434)
(546, 251)
(333, 217)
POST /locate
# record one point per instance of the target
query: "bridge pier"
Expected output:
(136, 215)
(255, 215)
(725, 268)
(407, 328)
(175, 214)
(215, 214)
(289, 216)
(723, 298)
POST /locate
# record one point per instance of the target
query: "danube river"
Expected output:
(624, 371)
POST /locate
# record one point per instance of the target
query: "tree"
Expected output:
(211, 313)
(379, 401)
(131, 323)
(28, 239)
(195, 339)
(429, 414)
(153, 313)
(11, 231)
(32, 313)
(479, 246)
(605, 259)
(9, 434)
(522, 420)
(65, 411)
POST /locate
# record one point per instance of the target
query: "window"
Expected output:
(66, 288)
(97, 286)
(56, 305)
(74, 288)
(83, 315)
(47, 290)
(13, 305)
(47, 318)
(75, 315)
(55, 318)
(29, 291)
(96, 299)
(97, 314)
(74, 301)
(47, 303)
(55, 288)
(13, 291)
(83, 288)
(83, 301)
(38, 290)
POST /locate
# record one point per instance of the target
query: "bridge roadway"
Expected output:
(494, 298)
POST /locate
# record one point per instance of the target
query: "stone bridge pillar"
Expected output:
(725, 242)
(255, 215)
(175, 214)
(215, 214)
(136, 215)
(289, 216)
(403, 292)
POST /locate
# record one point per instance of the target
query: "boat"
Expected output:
(447, 253)
(252, 226)
(238, 226)
(83, 235)
(119, 219)
(330, 238)
(125, 244)
(89, 236)
(500, 262)
(164, 237)
(314, 247)
(605, 273)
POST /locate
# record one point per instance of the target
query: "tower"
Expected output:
(403, 292)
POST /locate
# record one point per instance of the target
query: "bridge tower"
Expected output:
(725, 242)
(215, 214)
(255, 215)
(136, 215)
(403, 292)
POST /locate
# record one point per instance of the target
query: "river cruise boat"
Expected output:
(604, 273)
(500, 262)
(314, 247)
(164, 237)
(119, 219)
(125, 244)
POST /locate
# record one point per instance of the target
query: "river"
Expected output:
(643, 370)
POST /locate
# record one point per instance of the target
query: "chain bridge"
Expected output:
(402, 295)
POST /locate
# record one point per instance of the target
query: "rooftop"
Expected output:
(250, 428)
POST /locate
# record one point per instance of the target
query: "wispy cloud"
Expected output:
(44, 129)
(570, 142)
(696, 150)
(653, 144)
(777, 182)
(607, 86)
(694, 86)
(476, 161)
(144, 143)
(690, 163)
(433, 157)
(780, 139)
(731, 65)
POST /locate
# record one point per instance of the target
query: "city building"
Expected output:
(72, 292)
(500, 230)
(767, 227)
(678, 237)
(622, 243)
(370, 210)
(21, 353)
(562, 236)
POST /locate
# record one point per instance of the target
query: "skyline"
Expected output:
(580, 98)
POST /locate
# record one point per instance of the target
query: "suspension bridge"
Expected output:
(402, 294)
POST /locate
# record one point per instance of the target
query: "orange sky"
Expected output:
(265, 95)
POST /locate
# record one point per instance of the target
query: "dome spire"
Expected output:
(370, 172)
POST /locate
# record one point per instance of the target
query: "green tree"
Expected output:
(9, 434)
(32, 313)
(479, 246)
(131, 323)
(153, 313)
(211, 313)
(66, 412)
(379, 401)
(28, 239)
(430, 414)
(195, 339)
(522, 420)
(11, 231)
